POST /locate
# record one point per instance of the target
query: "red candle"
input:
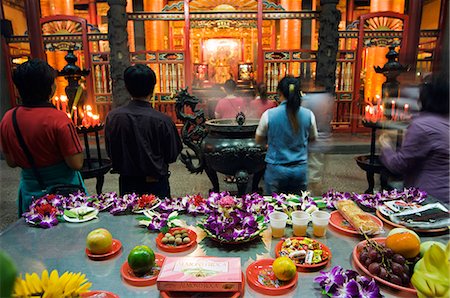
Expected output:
(406, 108)
(393, 109)
(64, 103)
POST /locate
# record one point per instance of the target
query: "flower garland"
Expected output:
(372, 201)
(47, 211)
(339, 282)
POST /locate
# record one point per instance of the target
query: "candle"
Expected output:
(406, 108)
(95, 120)
(75, 115)
(393, 109)
(64, 103)
(68, 115)
(366, 113)
(57, 102)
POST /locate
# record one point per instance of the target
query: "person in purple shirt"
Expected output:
(423, 158)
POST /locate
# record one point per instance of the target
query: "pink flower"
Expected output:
(227, 202)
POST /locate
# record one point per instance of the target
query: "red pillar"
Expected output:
(187, 46)
(415, 18)
(442, 40)
(92, 9)
(33, 15)
(260, 60)
(349, 13)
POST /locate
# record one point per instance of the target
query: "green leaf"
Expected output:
(142, 218)
(260, 218)
(173, 217)
(70, 214)
(165, 229)
(294, 200)
(321, 205)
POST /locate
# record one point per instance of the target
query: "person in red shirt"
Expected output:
(47, 132)
(261, 103)
(230, 105)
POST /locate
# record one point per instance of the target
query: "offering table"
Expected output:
(63, 248)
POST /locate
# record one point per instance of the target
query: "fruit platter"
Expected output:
(272, 277)
(176, 240)
(305, 252)
(381, 263)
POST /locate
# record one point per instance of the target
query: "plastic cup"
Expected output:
(300, 220)
(278, 223)
(320, 222)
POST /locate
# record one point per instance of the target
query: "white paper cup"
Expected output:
(320, 222)
(278, 223)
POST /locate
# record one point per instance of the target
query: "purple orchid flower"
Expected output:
(349, 289)
(332, 279)
(48, 221)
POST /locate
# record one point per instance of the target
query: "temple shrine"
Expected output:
(201, 43)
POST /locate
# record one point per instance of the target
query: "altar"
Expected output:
(63, 248)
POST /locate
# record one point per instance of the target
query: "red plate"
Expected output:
(129, 277)
(178, 248)
(116, 246)
(360, 266)
(172, 294)
(338, 222)
(103, 294)
(253, 272)
(301, 267)
(421, 231)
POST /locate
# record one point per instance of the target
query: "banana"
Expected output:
(431, 275)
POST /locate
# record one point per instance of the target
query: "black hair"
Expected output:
(261, 88)
(434, 94)
(230, 86)
(34, 80)
(290, 88)
(140, 80)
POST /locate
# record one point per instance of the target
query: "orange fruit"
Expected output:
(405, 244)
(99, 241)
(284, 268)
(141, 260)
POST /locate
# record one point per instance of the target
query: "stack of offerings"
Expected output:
(200, 274)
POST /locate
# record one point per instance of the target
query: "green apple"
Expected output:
(427, 244)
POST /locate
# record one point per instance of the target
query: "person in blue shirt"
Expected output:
(286, 130)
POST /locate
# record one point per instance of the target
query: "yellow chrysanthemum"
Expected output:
(69, 284)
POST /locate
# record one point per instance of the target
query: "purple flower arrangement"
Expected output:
(232, 220)
(339, 282)
(372, 201)
(47, 211)
(155, 221)
(192, 204)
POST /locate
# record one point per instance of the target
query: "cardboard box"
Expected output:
(200, 274)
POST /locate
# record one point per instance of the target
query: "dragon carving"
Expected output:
(193, 131)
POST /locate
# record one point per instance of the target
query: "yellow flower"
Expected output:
(69, 284)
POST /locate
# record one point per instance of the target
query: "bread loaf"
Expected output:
(359, 219)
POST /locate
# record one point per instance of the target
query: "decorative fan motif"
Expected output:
(63, 27)
(198, 5)
(383, 23)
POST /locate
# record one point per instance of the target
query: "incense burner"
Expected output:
(226, 146)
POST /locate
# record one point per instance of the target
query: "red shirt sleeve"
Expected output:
(67, 138)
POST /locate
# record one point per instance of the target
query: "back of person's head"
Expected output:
(34, 80)
(230, 86)
(434, 94)
(261, 89)
(289, 87)
(140, 80)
